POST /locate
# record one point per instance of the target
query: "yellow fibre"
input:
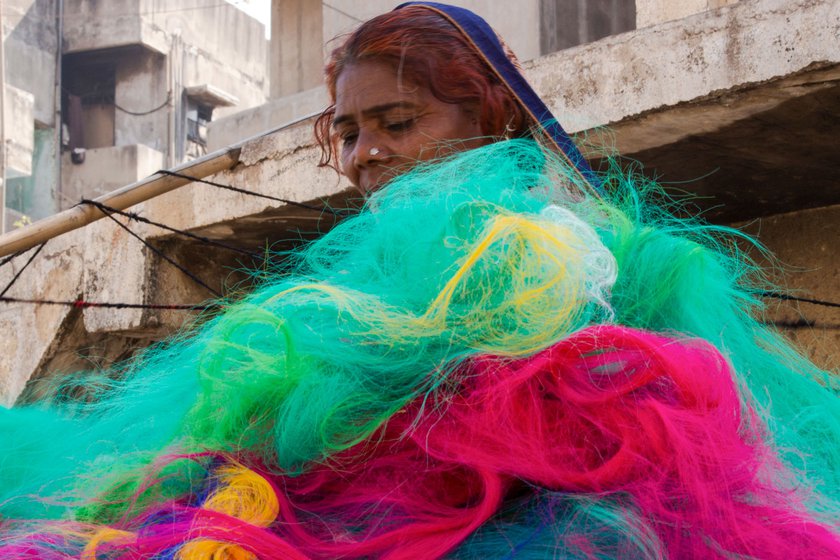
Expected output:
(206, 549)
(336, 293)
(245, 495)
(546, 257)
(539, 243)
(504, 226)
(104, 535)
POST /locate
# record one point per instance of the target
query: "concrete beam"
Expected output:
(627, 75)
(106, 169)
(33, 333)
(229, 130)
(757, 151)
(728, 92)
(296, 58)
(94, 25)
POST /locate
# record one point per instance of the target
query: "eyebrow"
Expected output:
(375, 111)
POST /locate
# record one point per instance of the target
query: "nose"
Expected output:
(368, 151)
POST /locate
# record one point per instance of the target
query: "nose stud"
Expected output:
(374, 151)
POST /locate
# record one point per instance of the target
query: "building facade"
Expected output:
(129, 89)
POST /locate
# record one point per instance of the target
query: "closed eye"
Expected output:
(401, 126)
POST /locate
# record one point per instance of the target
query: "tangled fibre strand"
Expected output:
(480, 364)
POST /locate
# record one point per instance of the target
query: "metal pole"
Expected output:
(58, 136)
(2, 124)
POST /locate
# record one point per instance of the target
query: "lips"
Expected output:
(375, 180)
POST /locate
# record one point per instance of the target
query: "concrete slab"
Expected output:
(723, 103)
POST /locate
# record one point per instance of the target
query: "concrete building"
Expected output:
(130, 90)
(736, 103)
(303, 33)
(30, 51)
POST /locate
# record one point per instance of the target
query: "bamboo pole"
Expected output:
(83, 214)
(141, 191)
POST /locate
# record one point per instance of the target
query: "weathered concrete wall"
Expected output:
(223, 45)
(217, 31)
(29, 332)
(567, 23)
(634, 73)
(159, 49)
(283, 165)
(124, 165)
(20, 131)
(518, 22)
(652, 12)
(31, 49)
(142, 85)
(805, 245)
(36, 196)
(296, 49)
(97, 24)
(276, 112)
(200, 68)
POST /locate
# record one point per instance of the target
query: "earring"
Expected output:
(374, 151)
(509, 128)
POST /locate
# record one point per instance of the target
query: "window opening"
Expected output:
(88, 110)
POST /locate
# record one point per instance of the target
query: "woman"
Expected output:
(473, 367)
(442, 71)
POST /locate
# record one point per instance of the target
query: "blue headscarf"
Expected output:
(484, 40)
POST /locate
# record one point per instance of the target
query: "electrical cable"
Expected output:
(149, 112)
(161, 254)
(136, 217)
(252, 193)
(19, 272)
(82, 304)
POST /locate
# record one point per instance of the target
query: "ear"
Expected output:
(473, 112)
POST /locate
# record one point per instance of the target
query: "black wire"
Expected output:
(342, 12)
(79, 303)
(19, 272)
(149, 112)
(786, 297)
(9, 259)
(160, 253)
(139, 218)
(252, 193)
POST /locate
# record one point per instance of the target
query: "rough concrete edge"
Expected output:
(724, 116)
(550, 67)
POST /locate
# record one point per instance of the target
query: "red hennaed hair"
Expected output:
(426, 50)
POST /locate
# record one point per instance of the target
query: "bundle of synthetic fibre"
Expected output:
(484, 363)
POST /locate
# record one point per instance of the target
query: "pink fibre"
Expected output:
(610, 412)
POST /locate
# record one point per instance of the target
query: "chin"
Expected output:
(370, 187)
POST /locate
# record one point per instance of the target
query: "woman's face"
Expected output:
(385, 125)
